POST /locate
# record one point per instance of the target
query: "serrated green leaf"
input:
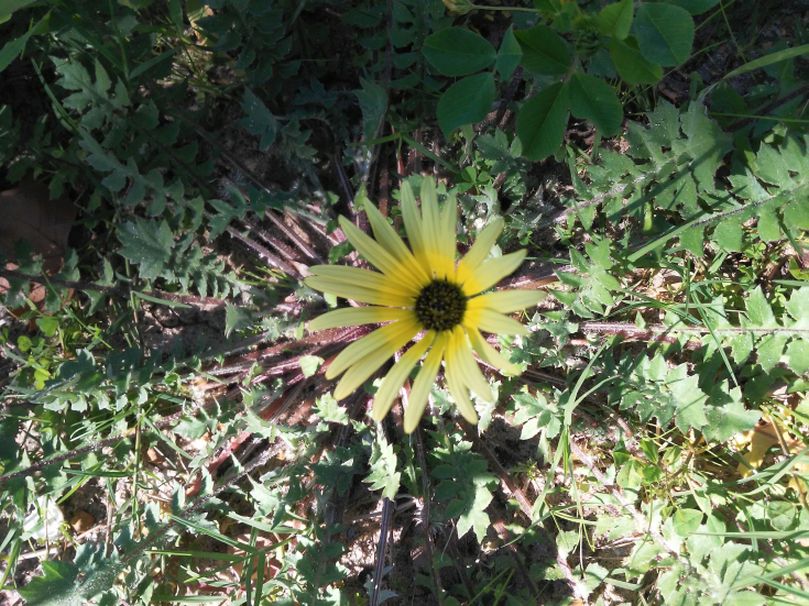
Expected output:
(475, 518)
(769, 351)
(258, 120)
(541, 122)
(665, 33)
(456, 51)
(769, 228)
(544, 51)
(741, 346)
(466, 102)
(309, 364)
(690, 401)
(797, 354)
(729, 235)
(770, 166)
(798, 306)
(707, 144)
(383, 475)
(535, 414)
(55, 587)
(729, 419)
(330, 410)
(373, 102)
(758, 309)
(796, 214)
(593, 99)
(236, 318)
(147, 244)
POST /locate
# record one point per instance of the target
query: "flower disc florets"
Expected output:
(440, 305)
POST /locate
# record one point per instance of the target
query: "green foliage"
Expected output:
(383, 474)
(159, 381)
(464, 485)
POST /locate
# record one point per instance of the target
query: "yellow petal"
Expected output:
(395, 378)
(482, 245)
(364, 278)
(467, 367)
(390, 240)
(490, 355)
(417, 401)
(449, 221)
(340, 288)
(431, 219)
(374, 253)
(412, 221)
(507, 301)
(492, 321)
(457, 386)
(359, 349)
(490, 272)
(361, 370)
(356, 316)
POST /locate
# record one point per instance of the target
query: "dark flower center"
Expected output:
(440, 305)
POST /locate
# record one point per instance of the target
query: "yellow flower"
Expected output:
(421, 291)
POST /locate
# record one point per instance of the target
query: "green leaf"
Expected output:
(729, 419)
(693, 240)
(798, 307)
(259, 120)
(798, 356)
(665, 33)
(695, 7)
(56, 586)
(796, 214)
(541, 122)
(690, 401)
(707, 144)
(476, 518)
(9, 7)
(13, 49)
(148, 244)
(330, 410)
(544, 51)
(616, 19)
(769, 228)
(686, 521)
(593, 99)
(535, 414)
(373, 102)
(310, 364)
(464, 486)
(456, 51)
(383, 475)
(631, 64)
(759, 311)
(729, 235)
(48, 325)
(466, 102)
(769, 351)
(236, 318)
(509, 55)
(767, 60)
